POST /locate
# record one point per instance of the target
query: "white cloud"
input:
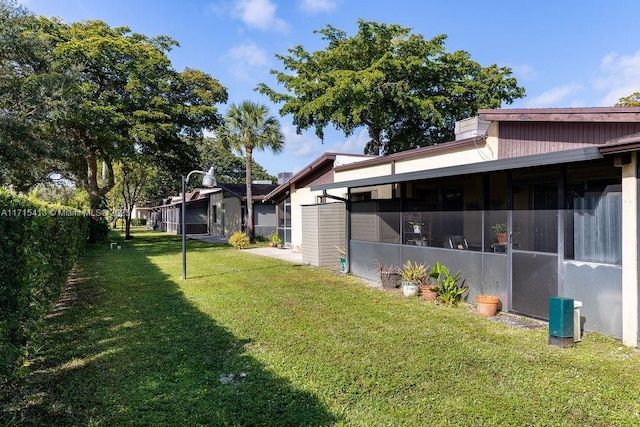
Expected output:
(317, 6)
(555, 96)
(301, 145)
(260, 14)
(244, 59)
(524, 72)
(619, 76)
(352, 145)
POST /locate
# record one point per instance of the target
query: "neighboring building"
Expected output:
(294, 193)
(167, 217)
(141, 211)
(228, 210)
(219, 211)
(563, 182)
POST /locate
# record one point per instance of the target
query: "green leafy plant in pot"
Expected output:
(501, 232)
(413, 275)
(449, 291)
(342, 255)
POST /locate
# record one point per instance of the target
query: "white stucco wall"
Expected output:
(364, 172)
(482, 152)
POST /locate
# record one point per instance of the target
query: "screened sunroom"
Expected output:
(561, 214)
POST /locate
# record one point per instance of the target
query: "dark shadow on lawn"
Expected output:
(119, 352)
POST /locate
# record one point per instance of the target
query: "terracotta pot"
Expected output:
(427, 293)
(487, 305)
(502, 238)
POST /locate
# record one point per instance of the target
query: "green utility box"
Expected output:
(561, 321)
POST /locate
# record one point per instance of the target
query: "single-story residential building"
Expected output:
(167, 216)
(219, 211)
(562, 183)
(294, 198)
(228, 210)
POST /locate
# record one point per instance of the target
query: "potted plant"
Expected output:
(449, 292)
(413, 275)
(389, 275)
(275, 240)
(501, 232)
(417, 225)
(342, 255)
(487, 304)
(429, 290)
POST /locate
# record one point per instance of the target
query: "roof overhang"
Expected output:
(555, 158)
(590, 114)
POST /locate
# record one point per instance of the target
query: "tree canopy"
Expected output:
(408, 91)
(632, 100)
(112, 94)
(229, 167)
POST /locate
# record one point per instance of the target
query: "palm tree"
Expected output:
(249, 126)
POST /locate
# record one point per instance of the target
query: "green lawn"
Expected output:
(248, 340)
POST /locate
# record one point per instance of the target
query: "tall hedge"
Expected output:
(39, 244)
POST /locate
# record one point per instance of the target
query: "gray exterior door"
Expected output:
(534, 248)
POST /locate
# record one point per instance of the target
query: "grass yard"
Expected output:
(248, 340)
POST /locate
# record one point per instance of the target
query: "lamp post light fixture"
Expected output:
(208, 180)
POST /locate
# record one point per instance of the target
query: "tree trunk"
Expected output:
(92, 185)
(248, 156)
(373, 147)
(127, 223)
(92, 179)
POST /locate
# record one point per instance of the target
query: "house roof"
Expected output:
(590, 114)
(308, 170)
(622, 145)
(196, 196)
(558, 157)
(258, 191)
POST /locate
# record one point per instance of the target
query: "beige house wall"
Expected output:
(363, 172)
(228, 215)
(484, 151)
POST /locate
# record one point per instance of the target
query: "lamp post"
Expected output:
(209, 180)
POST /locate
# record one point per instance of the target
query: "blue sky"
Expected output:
(566, 53)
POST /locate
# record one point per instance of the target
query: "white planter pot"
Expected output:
(417, 229)
(410, 289)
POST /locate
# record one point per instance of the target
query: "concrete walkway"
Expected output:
(283, 254)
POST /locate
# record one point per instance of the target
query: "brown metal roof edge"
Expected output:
(415, 153)
(324, 158)
(582, 114)
(621, 145)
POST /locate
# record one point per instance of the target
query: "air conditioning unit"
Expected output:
(471, 127)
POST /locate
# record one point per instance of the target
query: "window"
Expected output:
(593, 215)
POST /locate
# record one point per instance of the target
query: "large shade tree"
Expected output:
(406, 90)
(248, 126)
(27, 93)
(116, 96)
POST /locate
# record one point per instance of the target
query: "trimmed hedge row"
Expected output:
(39, 245)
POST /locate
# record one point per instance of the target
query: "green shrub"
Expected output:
(260, 238)
(239, 240)
(40, 243)
(137, 222)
